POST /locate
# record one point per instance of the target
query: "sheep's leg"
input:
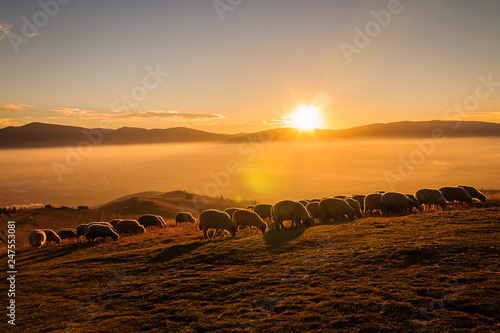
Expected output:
(205, 236)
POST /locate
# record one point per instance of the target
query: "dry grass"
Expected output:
(434, 272)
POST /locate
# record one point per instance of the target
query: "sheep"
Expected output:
(429, 196)
(396, 203)
(184, 217)
(361, 199)
(313, 209)
(51, 236)
(340, 197)
(289, 210)
(355, 205)
(452, 194)
(37, 238)
(215, 219)
(150, 220)
(473, 192)
(304, 202)
(67, 233)
(230, 211)
(115, 222)
(80, 231)
(372, 203)
(102, 223)
(249, 218)
(335, 209)
(97, 230)
(250, 207)
(130, 227)
(263, 210)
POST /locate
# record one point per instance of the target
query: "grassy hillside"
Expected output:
(432, 272)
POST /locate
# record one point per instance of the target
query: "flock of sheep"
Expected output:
(337, 208)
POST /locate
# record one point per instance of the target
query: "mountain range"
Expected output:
(41, 135)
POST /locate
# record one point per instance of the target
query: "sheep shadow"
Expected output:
(52, 252)
(276, 239)
(175, 251)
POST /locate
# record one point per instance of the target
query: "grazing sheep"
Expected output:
(313, 209)
(355, 205)
(458, 194)
(473, 192)
(361, 199)
(115, 222)
(429, 197)
(396, 203)
(335, 209)
(184, 217)
(37, 238)
(150, 220)
(103, 231)
(250, 207)
(215, 219)
(263, 210)
(249, 218)
(290, 210)
(130, 227)
(51, 236)
(230, 211)
(372, 203)
(101, 223)
(67, 233)
(80, 231)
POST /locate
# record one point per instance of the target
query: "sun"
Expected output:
(305, 117)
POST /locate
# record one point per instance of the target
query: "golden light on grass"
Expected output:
(306, 117)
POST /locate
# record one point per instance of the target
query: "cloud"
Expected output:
(6, 123)
(88, 114)
(168, 114)
(15, 107)
(4, 29)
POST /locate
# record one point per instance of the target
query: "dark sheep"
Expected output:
(184, 217)
(67, 233)
(215, 219)
(355, 205)
(473, 192)
(263, 210)
(51, 236)
(131, 227)
(150, 220)
(335, 209)
(361, 199)
(458, 194)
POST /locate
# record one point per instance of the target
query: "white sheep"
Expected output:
(37, 238)
(215, 219)
(335, 209)
(249, 218)
(429, 197)
(103, 231)
(290, 210)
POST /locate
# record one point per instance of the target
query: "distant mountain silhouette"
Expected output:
(38, 135)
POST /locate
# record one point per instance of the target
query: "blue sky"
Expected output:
(159, 64)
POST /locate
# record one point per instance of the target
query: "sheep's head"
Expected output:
(141, 229)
